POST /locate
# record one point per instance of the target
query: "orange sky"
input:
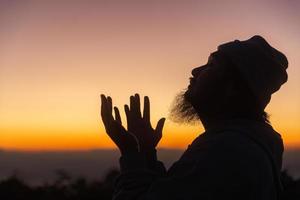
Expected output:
(57, 57)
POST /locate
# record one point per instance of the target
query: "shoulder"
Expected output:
(226, 164)
(233, 152)
(233, 142)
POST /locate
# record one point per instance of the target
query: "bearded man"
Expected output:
(239, 155)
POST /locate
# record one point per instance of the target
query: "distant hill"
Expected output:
(291, 162)
(40, 167)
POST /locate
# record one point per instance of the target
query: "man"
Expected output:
(237, 157)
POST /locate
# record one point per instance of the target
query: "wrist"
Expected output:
(151, 157)
(132, 161)
(128, 151)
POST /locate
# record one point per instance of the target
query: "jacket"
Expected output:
(237, 159)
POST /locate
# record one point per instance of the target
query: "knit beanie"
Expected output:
(262, 67)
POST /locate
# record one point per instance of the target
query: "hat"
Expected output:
(261, 66)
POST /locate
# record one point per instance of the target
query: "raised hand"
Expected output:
(140, 126)
(125, 141)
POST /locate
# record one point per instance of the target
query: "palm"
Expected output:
(124, 140)
(140, 126)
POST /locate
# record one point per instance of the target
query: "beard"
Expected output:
(182, 111)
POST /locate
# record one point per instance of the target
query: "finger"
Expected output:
(146, 113)
(127, 112)
(137, 105)
(109, 104)
(106, 117)
(106, 112)
(131, 103)
(109, 108)
(159, 127)
(103, 109)
(117, 115)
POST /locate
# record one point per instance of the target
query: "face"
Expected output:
(207, 95)
(208, 85)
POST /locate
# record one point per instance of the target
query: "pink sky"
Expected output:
(56, 57)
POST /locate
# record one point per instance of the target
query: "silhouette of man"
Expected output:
(239, 155)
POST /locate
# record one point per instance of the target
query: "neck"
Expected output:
(213, 122)
(209, 123)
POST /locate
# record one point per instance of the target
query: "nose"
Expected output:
(196, 71)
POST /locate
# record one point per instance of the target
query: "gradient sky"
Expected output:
(57, 57)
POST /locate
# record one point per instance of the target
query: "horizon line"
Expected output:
(5, 150)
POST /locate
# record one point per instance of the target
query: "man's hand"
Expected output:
(140, 126)
(125, 141)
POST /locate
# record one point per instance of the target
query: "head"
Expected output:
(216, 92)
(237, 82)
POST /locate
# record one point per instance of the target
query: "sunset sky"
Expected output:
(57, 57)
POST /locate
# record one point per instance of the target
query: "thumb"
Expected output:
(159, 127)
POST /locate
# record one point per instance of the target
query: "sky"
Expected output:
(57, 57)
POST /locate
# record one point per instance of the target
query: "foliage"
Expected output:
(67, 188)
(63, 188)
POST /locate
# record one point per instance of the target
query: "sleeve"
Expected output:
(138, 172)
(139, 182)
